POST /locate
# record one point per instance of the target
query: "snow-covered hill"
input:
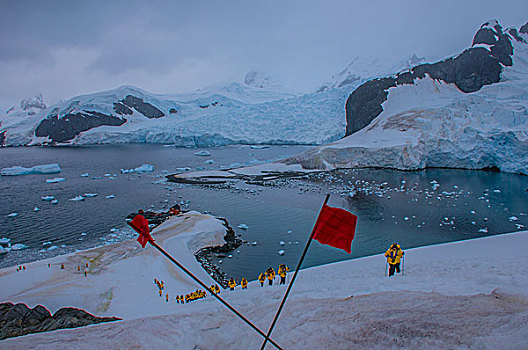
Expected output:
(469, 294)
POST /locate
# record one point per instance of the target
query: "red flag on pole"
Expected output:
(141, 225)
(335, 227)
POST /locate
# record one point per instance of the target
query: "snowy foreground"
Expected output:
(469, 294)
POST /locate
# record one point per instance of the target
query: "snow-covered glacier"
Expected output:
(215, 116)
(431, 123)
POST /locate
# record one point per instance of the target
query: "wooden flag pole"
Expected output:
(293, 278)
(162, 251)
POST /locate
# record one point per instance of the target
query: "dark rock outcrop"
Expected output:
(524, 29)
(72, 124)
(469, 72)
(19, 319)
(148, 110)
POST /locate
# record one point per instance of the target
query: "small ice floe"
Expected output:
(77, 199)
(243, 226)
(46, 243)
(53, 247)
(289, 231)
(18, 246)
(3, 250)
(472, 212)
(144, 168)
(36, 209)
(55, 180)
(54, 201)
(5, 240)
(85, 175)
(39, 169)
(519, 226)
(259, 146)
(406, 218)
(83, 234)
(497, 191)
(203, 154)
(107, 175)
(230, 256)
(282, 243)
(483, 230)
(12, 215)
(47, 198)
(89, 195)
(110, 196)
(96, 177)
(281, 252)
(183, 169)
(209, 161)
(513, 218)
(254, 243)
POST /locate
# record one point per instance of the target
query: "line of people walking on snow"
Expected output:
(268, 275)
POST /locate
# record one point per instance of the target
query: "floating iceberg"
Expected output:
(39, 169)
(110, 196)
(13, 215)
(144, 168)
(243, 226)
(281, 252)
(55, 179)
(5, 240)
(259, 147)
(47, 198)
(90, 194)
(18, 246)
(78, 198)
(203, 154)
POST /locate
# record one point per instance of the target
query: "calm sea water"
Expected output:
(413, 208)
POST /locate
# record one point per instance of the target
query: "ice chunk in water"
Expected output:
(203, 153)
(281, 252)
(55, 180)
(38, 169)
(243, 226)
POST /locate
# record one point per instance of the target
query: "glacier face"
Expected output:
(432, 123)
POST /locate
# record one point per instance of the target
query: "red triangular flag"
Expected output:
(335, 227)
(141, 225)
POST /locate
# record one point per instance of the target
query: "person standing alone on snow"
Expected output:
(394, 256)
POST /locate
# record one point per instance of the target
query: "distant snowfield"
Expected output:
(468, 294)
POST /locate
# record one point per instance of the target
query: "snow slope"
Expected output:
(468, 294)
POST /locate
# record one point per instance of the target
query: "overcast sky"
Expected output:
(65, 48)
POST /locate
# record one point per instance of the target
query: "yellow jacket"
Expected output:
(262, 277)
(270, 274)
(232, 284)
(394, 255)
(244, 283)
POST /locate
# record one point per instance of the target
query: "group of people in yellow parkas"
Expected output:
(215, 289)
(394, 256)
(197, 294)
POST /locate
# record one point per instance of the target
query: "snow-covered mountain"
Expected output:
(254, 111)
(364, 68)
(468, 111)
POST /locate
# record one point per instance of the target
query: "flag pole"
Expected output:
(162, 251)
(293, 278)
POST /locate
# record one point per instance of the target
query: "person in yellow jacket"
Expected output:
(394, 255)
(244, 283)
(232, 284)
(283, 270)
(262, 279)
(270, 274)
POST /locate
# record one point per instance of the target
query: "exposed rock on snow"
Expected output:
(474, 68)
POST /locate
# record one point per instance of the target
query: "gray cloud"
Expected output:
(64, 48)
